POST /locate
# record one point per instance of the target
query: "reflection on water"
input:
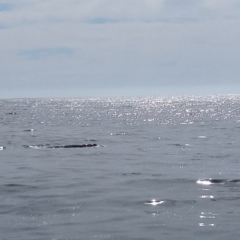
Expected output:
(211, 204)
(141, 185)
(207, 196)
(206, 216)
(207, 219)
(218, 195)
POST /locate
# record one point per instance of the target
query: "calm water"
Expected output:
(163, 168)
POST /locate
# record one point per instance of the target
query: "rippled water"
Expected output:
(163, 168)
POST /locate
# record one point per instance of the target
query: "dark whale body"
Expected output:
(75, 146)
(61, 146)
(209, 181)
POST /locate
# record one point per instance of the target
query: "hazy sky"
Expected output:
(75, 48)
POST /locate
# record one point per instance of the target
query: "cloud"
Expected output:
(219, 4)
(2, 26)
(110, 11)
(44, 52)
(5, 7)
(100, 21)
(28, 11)
(95, 45)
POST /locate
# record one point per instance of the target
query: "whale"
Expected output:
(61, 146)
(75, 146)
(210, 181)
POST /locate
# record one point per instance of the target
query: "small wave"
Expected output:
(169, 202)
(203, 137)
(118, 134)
(17, 185)
(16, 188)
(164, 202)
(2, 148)
(37, 146)
(132, 173)
(154, 202)
(181, 145)
(11, 113)
(28, 130)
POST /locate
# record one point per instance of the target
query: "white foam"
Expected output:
(154, 202)
(204, 182)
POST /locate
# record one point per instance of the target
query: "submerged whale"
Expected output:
(61, 146)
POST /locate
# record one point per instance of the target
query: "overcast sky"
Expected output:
(77, 48)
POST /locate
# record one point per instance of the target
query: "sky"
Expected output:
(79, 48)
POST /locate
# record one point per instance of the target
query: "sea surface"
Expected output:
(163, 168)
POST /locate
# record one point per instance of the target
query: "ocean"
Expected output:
(157, 168)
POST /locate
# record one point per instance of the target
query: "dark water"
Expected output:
(163, 168)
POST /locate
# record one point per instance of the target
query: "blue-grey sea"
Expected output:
(162, 168)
